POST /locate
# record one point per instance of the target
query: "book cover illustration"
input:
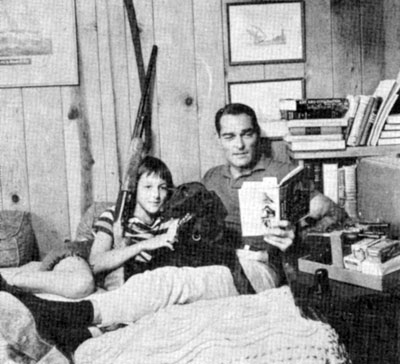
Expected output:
(264, 202)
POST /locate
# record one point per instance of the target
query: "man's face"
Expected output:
(238, 140)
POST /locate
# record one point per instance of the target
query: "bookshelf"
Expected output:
(349, 152)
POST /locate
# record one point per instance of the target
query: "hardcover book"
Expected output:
(316, 130)
(264, 202)
(313, 108)
(358, 120)
(307, 123)
(307, 145)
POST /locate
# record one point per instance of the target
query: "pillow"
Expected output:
(84, 238)
(17, 239)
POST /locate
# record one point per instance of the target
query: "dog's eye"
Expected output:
(196, 237)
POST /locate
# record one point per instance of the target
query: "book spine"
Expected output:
(313, 108)
(330, 180)
(354, 102)
(390, 134)
(306, 123)
(312, 114)
(317, 145)
(350, 204)
(341, 187)
(355, 128)
(371, 121)
(389, 141)
(319, 137)
(365, 119)
(318, 176)
(315, 130)
(390, 127)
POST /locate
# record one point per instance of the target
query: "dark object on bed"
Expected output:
(17, 239)
(201, 239)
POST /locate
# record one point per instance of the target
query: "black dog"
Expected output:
(201, 239)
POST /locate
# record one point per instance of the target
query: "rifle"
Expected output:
(139, 146)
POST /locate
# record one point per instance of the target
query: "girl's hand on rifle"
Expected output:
(118, 233)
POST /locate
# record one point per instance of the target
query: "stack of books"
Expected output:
(369, 115)
(391, 131)
(315, 124)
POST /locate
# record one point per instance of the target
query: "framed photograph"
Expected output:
(266, 32)
(263, 97)
(38, 45)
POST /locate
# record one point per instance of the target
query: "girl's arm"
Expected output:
(103, 257)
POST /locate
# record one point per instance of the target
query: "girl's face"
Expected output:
(151, 194)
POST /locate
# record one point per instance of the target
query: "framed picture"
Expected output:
(266, 32)
(263, 97)
(38, 45)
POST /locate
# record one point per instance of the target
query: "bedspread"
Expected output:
(262, 328)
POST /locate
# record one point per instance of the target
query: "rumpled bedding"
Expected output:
(262, 328)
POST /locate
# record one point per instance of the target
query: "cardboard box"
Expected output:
(378, 191)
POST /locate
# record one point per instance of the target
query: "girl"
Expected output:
(144, 230)
(112, 256)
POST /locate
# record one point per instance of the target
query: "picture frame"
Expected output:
(263, 97)
(38, 44)
(266, 32)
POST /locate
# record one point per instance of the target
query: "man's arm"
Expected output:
(281, 235)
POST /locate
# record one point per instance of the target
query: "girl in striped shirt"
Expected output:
(144, 231)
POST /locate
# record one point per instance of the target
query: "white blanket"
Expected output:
(262, 328)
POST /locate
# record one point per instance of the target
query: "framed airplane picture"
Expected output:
(266, 32)
(38, 45)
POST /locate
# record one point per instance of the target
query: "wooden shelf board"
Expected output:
(350, 152)
(379, 283)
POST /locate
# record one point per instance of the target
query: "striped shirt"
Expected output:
(136, 231)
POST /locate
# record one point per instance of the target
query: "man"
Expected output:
(239, 136)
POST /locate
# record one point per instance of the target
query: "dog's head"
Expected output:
(197, 237)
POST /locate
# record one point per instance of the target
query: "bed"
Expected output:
(263, 328)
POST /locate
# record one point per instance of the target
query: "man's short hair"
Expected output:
(236, 109)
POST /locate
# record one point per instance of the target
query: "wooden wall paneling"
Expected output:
(46, 166)
(346, 37)
(144, 17)
(91, 101)
(71, 118)
(392, 38)
(111, 100)
(372, 44)
(13, 168)
(119, 70)
(284, 70)
(236, 73)
(176, 87)
(319, 56)
(210, 77)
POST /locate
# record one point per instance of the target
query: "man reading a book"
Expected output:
(239, 136)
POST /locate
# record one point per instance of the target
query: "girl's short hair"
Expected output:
(154, 165)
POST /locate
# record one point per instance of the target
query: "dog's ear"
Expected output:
(215, 206)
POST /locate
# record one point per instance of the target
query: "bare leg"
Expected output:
(71, 278)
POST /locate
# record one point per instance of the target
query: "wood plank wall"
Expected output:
(64, 147)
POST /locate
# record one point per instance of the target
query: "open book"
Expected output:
(264, 202)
